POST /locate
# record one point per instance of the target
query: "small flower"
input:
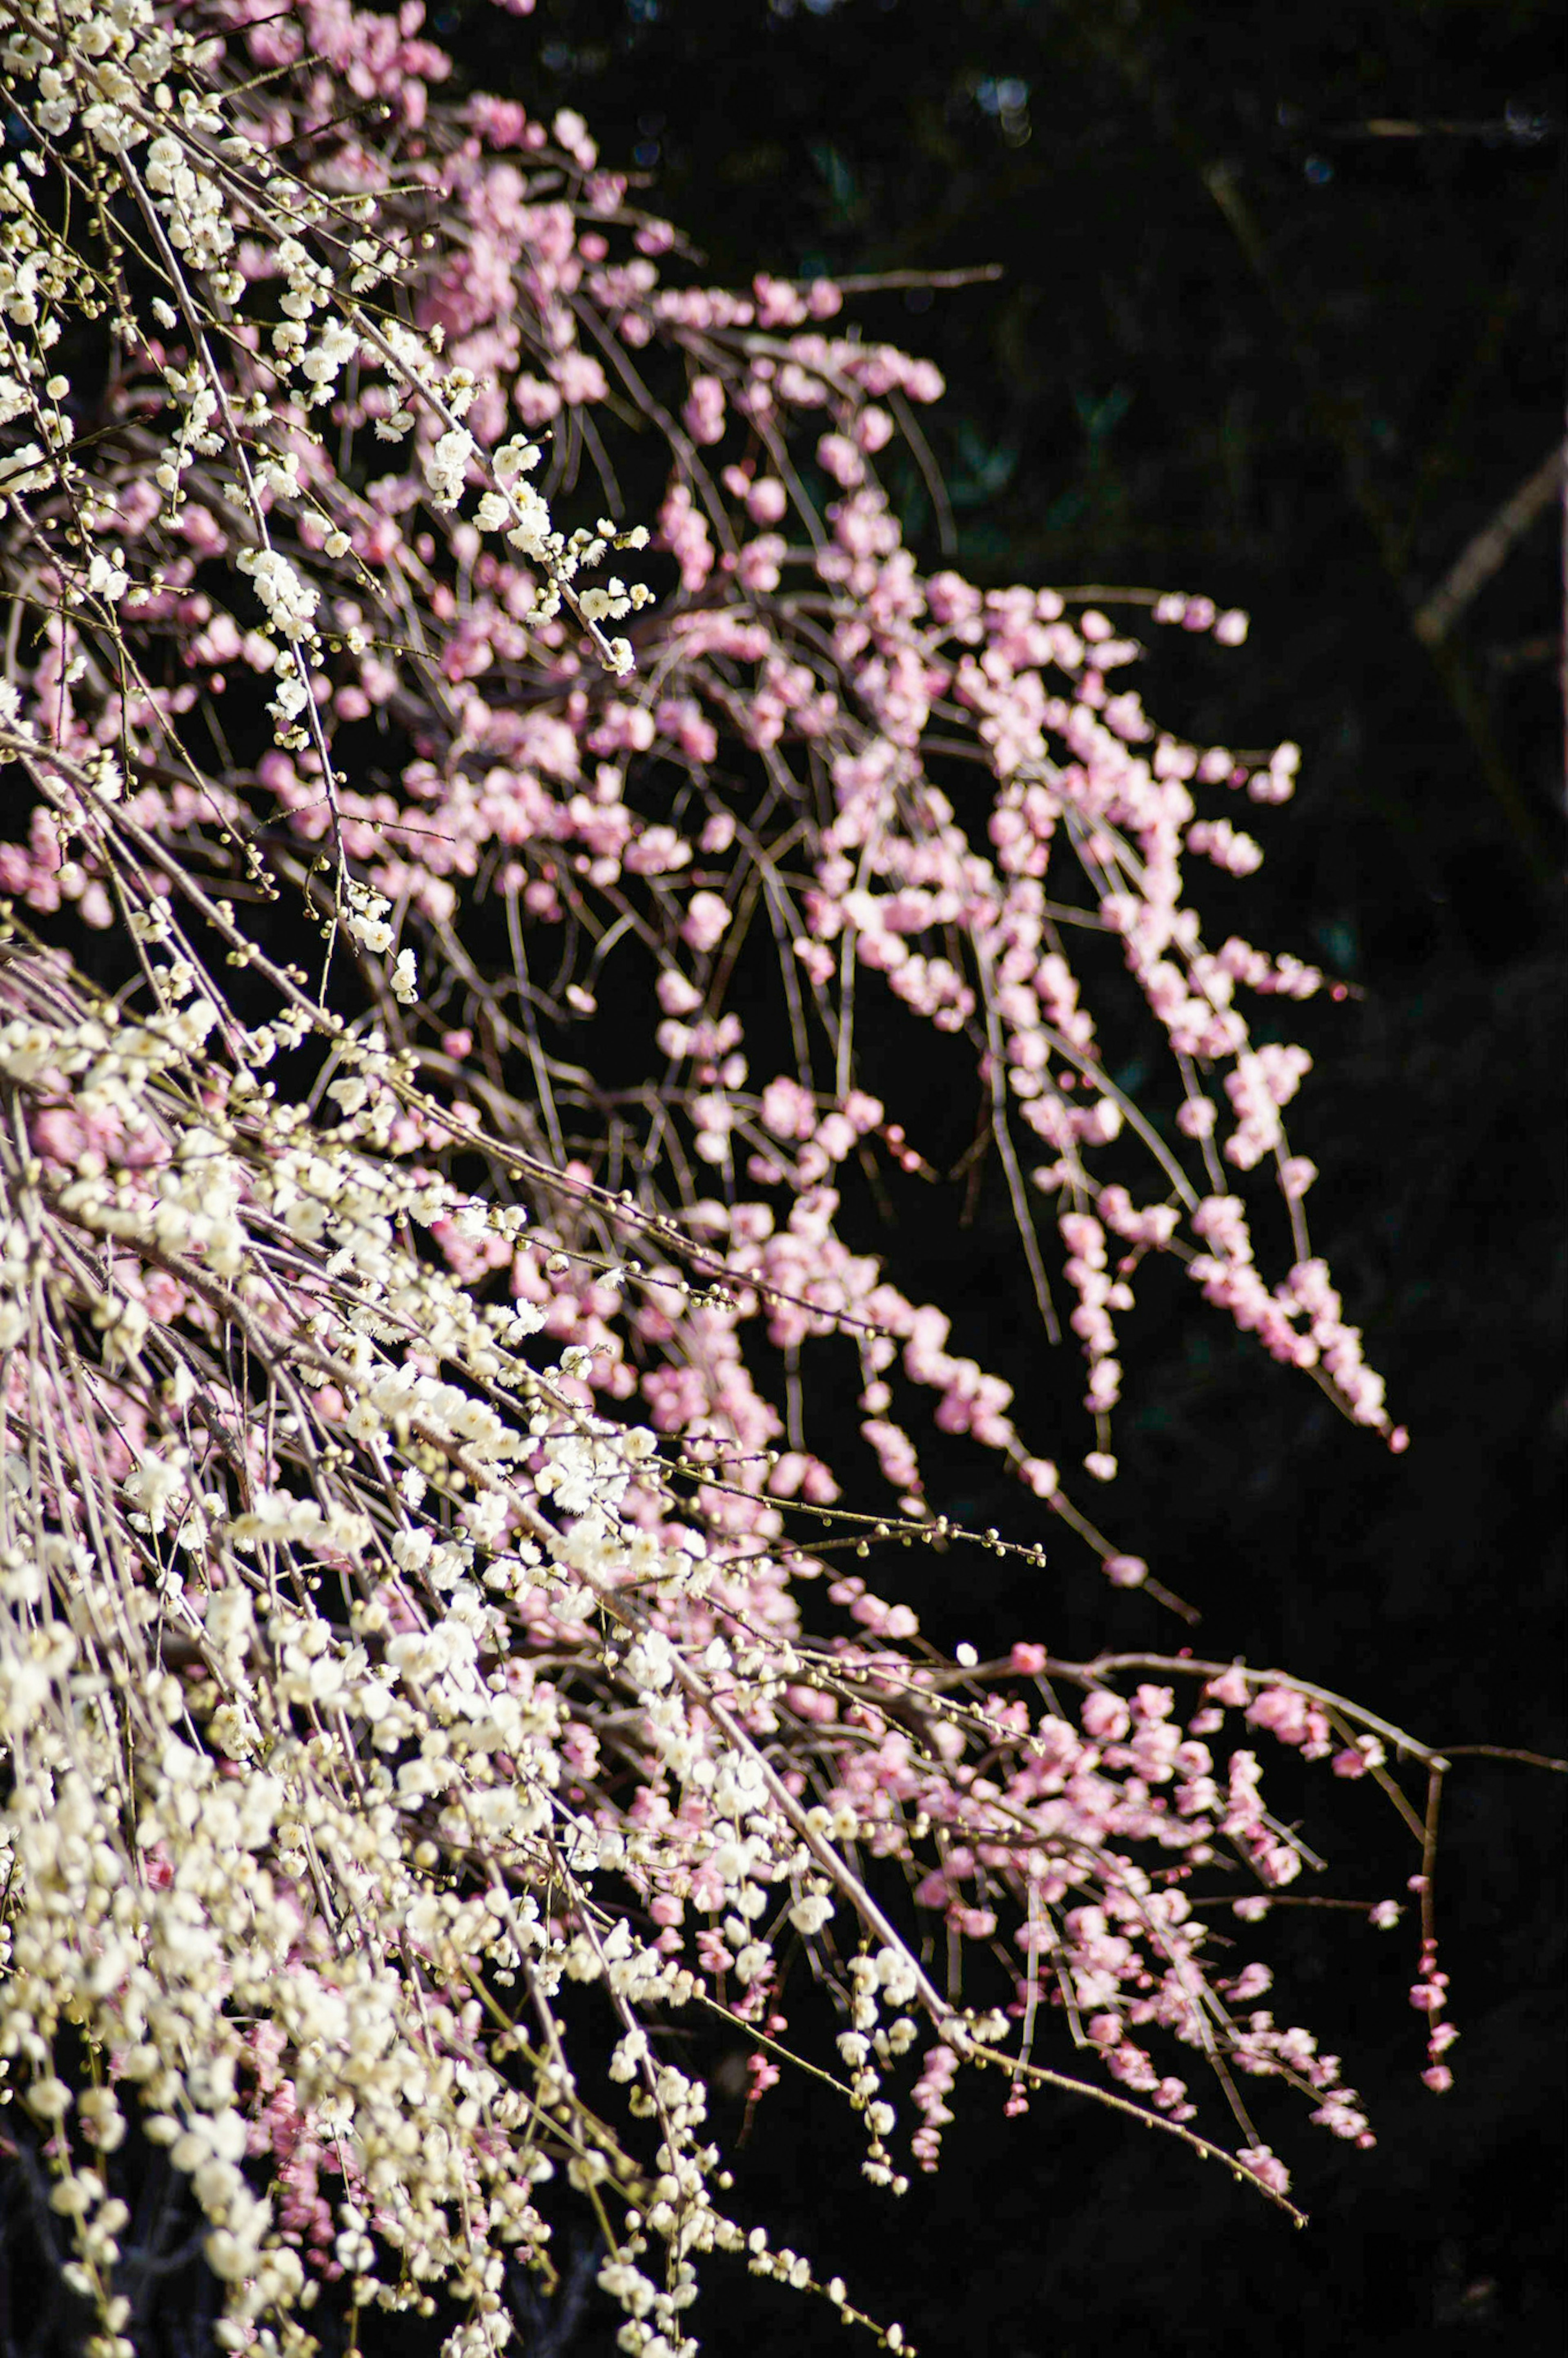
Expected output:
(1260, 2162)
(1126, 1571)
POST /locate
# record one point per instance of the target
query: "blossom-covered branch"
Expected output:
(445, 1050)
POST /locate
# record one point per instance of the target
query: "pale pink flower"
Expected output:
(706, 921)
(1126, 1571)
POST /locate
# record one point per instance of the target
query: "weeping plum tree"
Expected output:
(452, 1006)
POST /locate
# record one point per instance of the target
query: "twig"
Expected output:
(1490, 549)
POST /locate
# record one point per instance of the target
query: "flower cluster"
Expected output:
(420, 1619)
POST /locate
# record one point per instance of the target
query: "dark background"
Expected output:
(1280, 320)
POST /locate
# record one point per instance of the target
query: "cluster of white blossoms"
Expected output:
(374, 1748)
(352, 1750)
(290, 603)
(360, 1573)
(176, 149)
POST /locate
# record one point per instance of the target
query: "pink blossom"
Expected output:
(1105, 1716)
(1263, 2166)
(704, 410)
(767, 501)
(838, 456)
(536, 401)
(706, 921)
(683, 530)
(1126, 1571)
(757, 568)
(1233, 1688)
(580, 377)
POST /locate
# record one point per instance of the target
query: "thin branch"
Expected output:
(1491, 549)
